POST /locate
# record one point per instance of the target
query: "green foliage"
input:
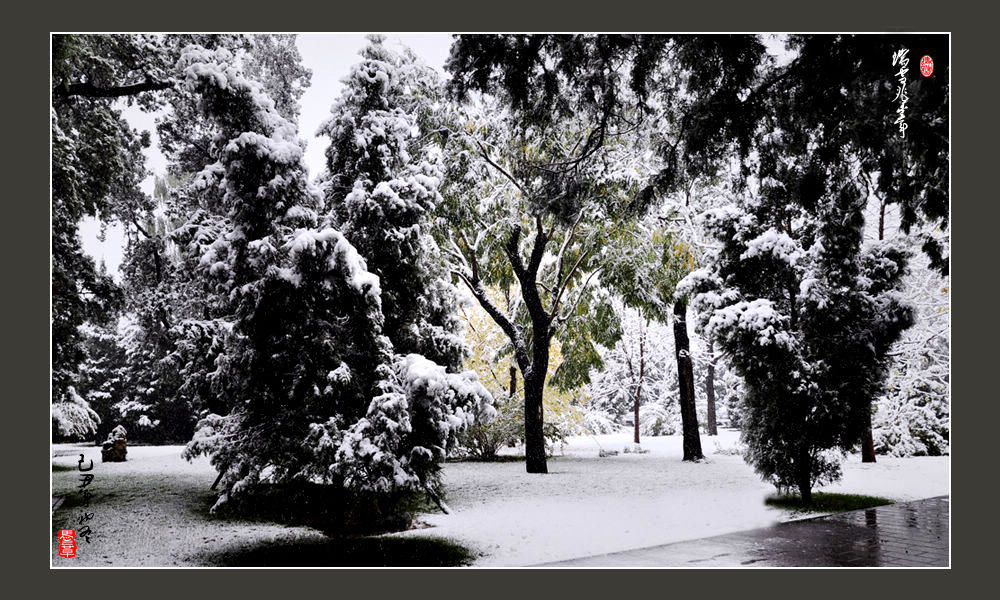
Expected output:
(827, 502)
(715, 92)
(490, 357)
(594, 322)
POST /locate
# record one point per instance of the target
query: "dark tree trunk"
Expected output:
(636, 437)
(513, 381)
(867, 442)
(805, 477)
(806, 492)
(534, 364)
(638, 389)
(534, 437)
(222, 472)
(685, 380)
(710, 424)
(534, 389)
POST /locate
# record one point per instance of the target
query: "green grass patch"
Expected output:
(347, 552)
(824, 502)
(56, 468)
(499, 458)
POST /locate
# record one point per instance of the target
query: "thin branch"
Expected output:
(489, 160)
(508, 327)
(565, 244)
(89, 90)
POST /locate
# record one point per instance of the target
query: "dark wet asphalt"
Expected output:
(908, 534)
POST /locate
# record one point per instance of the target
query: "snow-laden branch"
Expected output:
(89, 90)
(486, 156)
(506, 324)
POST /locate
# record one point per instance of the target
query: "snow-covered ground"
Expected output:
(152, 510)
(588, 505)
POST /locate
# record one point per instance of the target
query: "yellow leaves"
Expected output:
(944, 290)
(682, 252)
(679, 248)
(484, 339)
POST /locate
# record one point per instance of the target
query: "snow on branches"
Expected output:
(808, 316)
(315, 388)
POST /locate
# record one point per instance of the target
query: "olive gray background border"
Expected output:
(26, 291)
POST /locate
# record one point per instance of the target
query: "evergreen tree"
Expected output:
(717, 91)
(382, 192)
(97, 165)
(97, 168)
(101, 380)
(176, 330)
(807, 316)
(913, 416)
(317, 392)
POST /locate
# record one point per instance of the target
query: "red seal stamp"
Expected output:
(67, 543)
(926, 65)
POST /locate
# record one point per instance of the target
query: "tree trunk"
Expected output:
(638, 389)
(637, 394)
(710, 425)
(685, 380)
(805, 477)
(867, 442)
(513, 381)
(534, 438)
(805, 490)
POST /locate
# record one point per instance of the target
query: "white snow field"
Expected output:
(586, 505)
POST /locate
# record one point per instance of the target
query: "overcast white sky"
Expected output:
(330, 57)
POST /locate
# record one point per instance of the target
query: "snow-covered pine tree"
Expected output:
(79, 411)
(150, 406)
(807, 316)
(381, 189)
(101, 378)
(318, 394)
(176, 326)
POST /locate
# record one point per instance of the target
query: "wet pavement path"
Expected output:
(908, 534)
